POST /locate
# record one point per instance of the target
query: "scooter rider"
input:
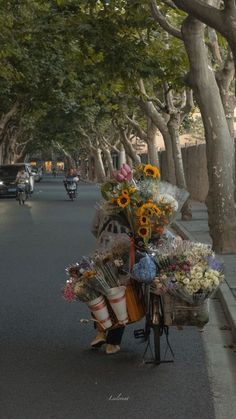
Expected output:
(23, 177)
(71, 176)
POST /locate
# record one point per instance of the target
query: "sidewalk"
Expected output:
(197, 230)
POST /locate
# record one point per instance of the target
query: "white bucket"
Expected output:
(117, 300)
(99, 309)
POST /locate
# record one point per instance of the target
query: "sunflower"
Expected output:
(89, 274)
(139, 212)
(156, 210)
(149, 212)
(143, 220)
(147, 209)
(132, 189)
(123, 201)
(125, 192)
(144, 231)
(148, 204)
(151, 171)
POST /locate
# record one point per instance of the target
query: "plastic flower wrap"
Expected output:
(91, 277)
(77, 287)
(144, 270)
(147, 205)
(189, 270)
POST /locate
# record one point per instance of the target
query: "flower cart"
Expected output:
(139, 269)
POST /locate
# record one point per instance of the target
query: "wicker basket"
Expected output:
(178, 312)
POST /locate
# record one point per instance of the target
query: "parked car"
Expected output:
(38, 173)
(8, 173)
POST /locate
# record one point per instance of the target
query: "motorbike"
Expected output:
(71, 187)
(22, 192)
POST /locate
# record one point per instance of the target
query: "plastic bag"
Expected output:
(144, 270)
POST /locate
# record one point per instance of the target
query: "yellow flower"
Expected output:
(132, 189)
(149, 204)
(149, 212)
(144, 231)
(151, 171)
(123, 201)
(156, 210)
(89, 274)
(147, 209)
(139, 212)
(125, 192)
(143, 220)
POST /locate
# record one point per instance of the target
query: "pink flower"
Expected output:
(68, 293)
(125, 173)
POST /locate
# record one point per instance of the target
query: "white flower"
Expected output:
(170, 200)
(186, 280)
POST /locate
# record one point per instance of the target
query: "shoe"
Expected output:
(112, 349)
(99, 340)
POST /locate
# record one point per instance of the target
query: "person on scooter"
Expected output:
(71, 175)
(23, 177)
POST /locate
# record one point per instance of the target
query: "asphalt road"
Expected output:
(47, 367)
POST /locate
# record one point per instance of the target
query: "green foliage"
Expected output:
(71, 63)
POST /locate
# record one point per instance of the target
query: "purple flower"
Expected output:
(214, 264)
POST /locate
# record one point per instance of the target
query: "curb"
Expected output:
(224, 293)
(229, 306)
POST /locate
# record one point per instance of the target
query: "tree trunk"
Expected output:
(129, 149)
(157, 119)
(91, 168)
(173, 127)
(151, 143)
(219, 145)
(121, 157)
(99, 167)
(5, 119)
(109, 161)
(129, 161)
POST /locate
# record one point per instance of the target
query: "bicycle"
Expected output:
(154, 327)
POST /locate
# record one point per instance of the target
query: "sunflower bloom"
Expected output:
(149, 212)
(148, 204)
(156, 210)
(125, 192)
(144, 231)
(144, 220)
(123, 201)
(151, 171)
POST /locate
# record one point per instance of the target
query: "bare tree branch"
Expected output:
(170, 3)
(189, 105)
(6, 117)
(229, 6)
(141, 133)
(207, 14)
(214, 45)
(142, 90)
(160, 18)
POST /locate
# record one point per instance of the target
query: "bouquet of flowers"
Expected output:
(188, 270)
(147, 203)
(105, 272)
(91, 277)
(77, 287)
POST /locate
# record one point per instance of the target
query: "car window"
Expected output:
(9, 171)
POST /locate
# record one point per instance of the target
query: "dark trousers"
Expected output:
(114, 336)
